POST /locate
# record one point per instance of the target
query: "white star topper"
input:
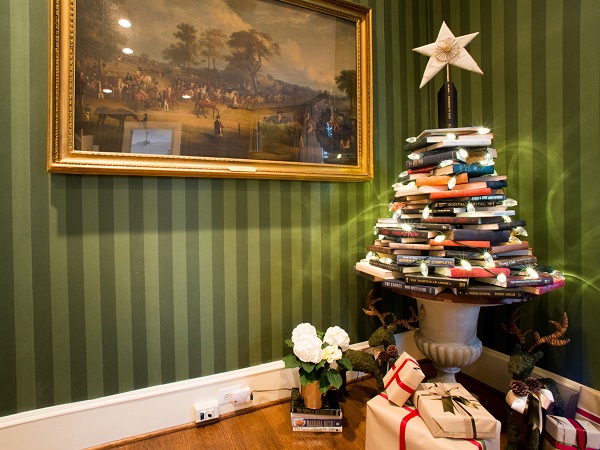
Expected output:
(447, 49)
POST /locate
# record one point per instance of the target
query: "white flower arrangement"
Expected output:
(315, 351)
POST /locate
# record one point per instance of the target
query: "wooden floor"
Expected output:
(269, 427)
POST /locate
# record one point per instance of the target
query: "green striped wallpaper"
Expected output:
(109, 284)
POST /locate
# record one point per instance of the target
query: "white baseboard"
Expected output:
(108, 419)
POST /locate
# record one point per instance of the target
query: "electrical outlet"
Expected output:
(225, 395)
(241, 395)
(206, 411)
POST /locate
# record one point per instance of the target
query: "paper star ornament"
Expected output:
(447, 49)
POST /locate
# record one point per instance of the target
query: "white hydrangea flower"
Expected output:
(303, 330)
(332, 353)
(338, 337)
(308, 349)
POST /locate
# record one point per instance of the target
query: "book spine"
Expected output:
(393, 267)
(471, 169)
(397, 232)
(461, 243)
(319, 429)
(542, 281)
(436, 281)
(508, 247)
(307, 421)
(434, 226)
(434, 160)
(451, 219)
(481, 235)
(460, 193)
(525, 260)
(457, 272)
(465, 254)
(398, 284)
(415, 246)
(498, 293)
(476, 198)
(441, 180)
(432, 261)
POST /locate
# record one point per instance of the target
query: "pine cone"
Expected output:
(382, 359)
(519, 388)
(533, 383)
(392, 351)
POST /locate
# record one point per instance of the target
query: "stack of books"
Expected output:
(326, 419)
(453, 227)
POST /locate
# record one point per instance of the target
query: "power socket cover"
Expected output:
(225, 395)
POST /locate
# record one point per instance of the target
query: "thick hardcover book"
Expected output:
(430, 261)
(457, 131)
(427, 159)
(307, 422)
(452, 220)
(539, 290)
(433, 226)
(518, 281)
(425, 142)
(460, 193)
(437, 280)
(398, 232)
(459, 272)
(480, 213)
(481, 184)
(515, 261)
(400, 284)
(380, 249)
(388, 266)
(487, 197)
(497, 226)
(445, 143)
(331, 404)
(462, 243)
(399, 245)
(493, 236)
(454, 203)
(441, 180)
(377, 272)
(466, 253)
(470, 169)
(501, 248)
(487, 290)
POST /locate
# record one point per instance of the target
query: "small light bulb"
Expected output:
(531, 272)
(445, 163)
(426, 212)
(424, 269)
(124, 23)
(451, 136)
(451, 183)
(465, 264)
(386, 260)
(127, 51)
(470, 208)
(506, 218)
(520, 231)
(375, 230)
(510, 202)
(557, 274)
(403, 174)
(514, 240)
(462, 154)
(406, 227)
(487, 257)
(410, 140)
(439, 238)
(414, 156)
(501, 278)
(488, 160)
(371, 255)
(397, 213)
(483, 130)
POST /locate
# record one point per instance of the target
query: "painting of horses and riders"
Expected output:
(247, 79)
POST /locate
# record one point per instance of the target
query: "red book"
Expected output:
(459, 272)
(539, 290)
(449, 243)
(460, 193)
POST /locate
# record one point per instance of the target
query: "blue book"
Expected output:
(472, 169)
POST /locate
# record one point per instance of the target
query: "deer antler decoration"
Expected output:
(513, 328)
(406, 323)
(553, 339)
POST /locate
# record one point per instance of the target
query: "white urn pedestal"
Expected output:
(447, 335)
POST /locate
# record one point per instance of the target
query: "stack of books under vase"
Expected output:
(452, 227)
(328, 418)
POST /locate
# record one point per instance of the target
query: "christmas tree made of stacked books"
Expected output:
(453, 227)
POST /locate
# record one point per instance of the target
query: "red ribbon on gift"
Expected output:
(415, 413)
(396, 376)
(581, 437)
(588, 415)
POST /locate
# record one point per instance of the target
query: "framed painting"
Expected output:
(271, 89)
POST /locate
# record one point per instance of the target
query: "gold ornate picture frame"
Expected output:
(270, 89)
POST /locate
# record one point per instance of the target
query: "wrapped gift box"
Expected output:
(402, 379)
(401, 427)
(449, 410)
(588, 406)
(566, 434)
